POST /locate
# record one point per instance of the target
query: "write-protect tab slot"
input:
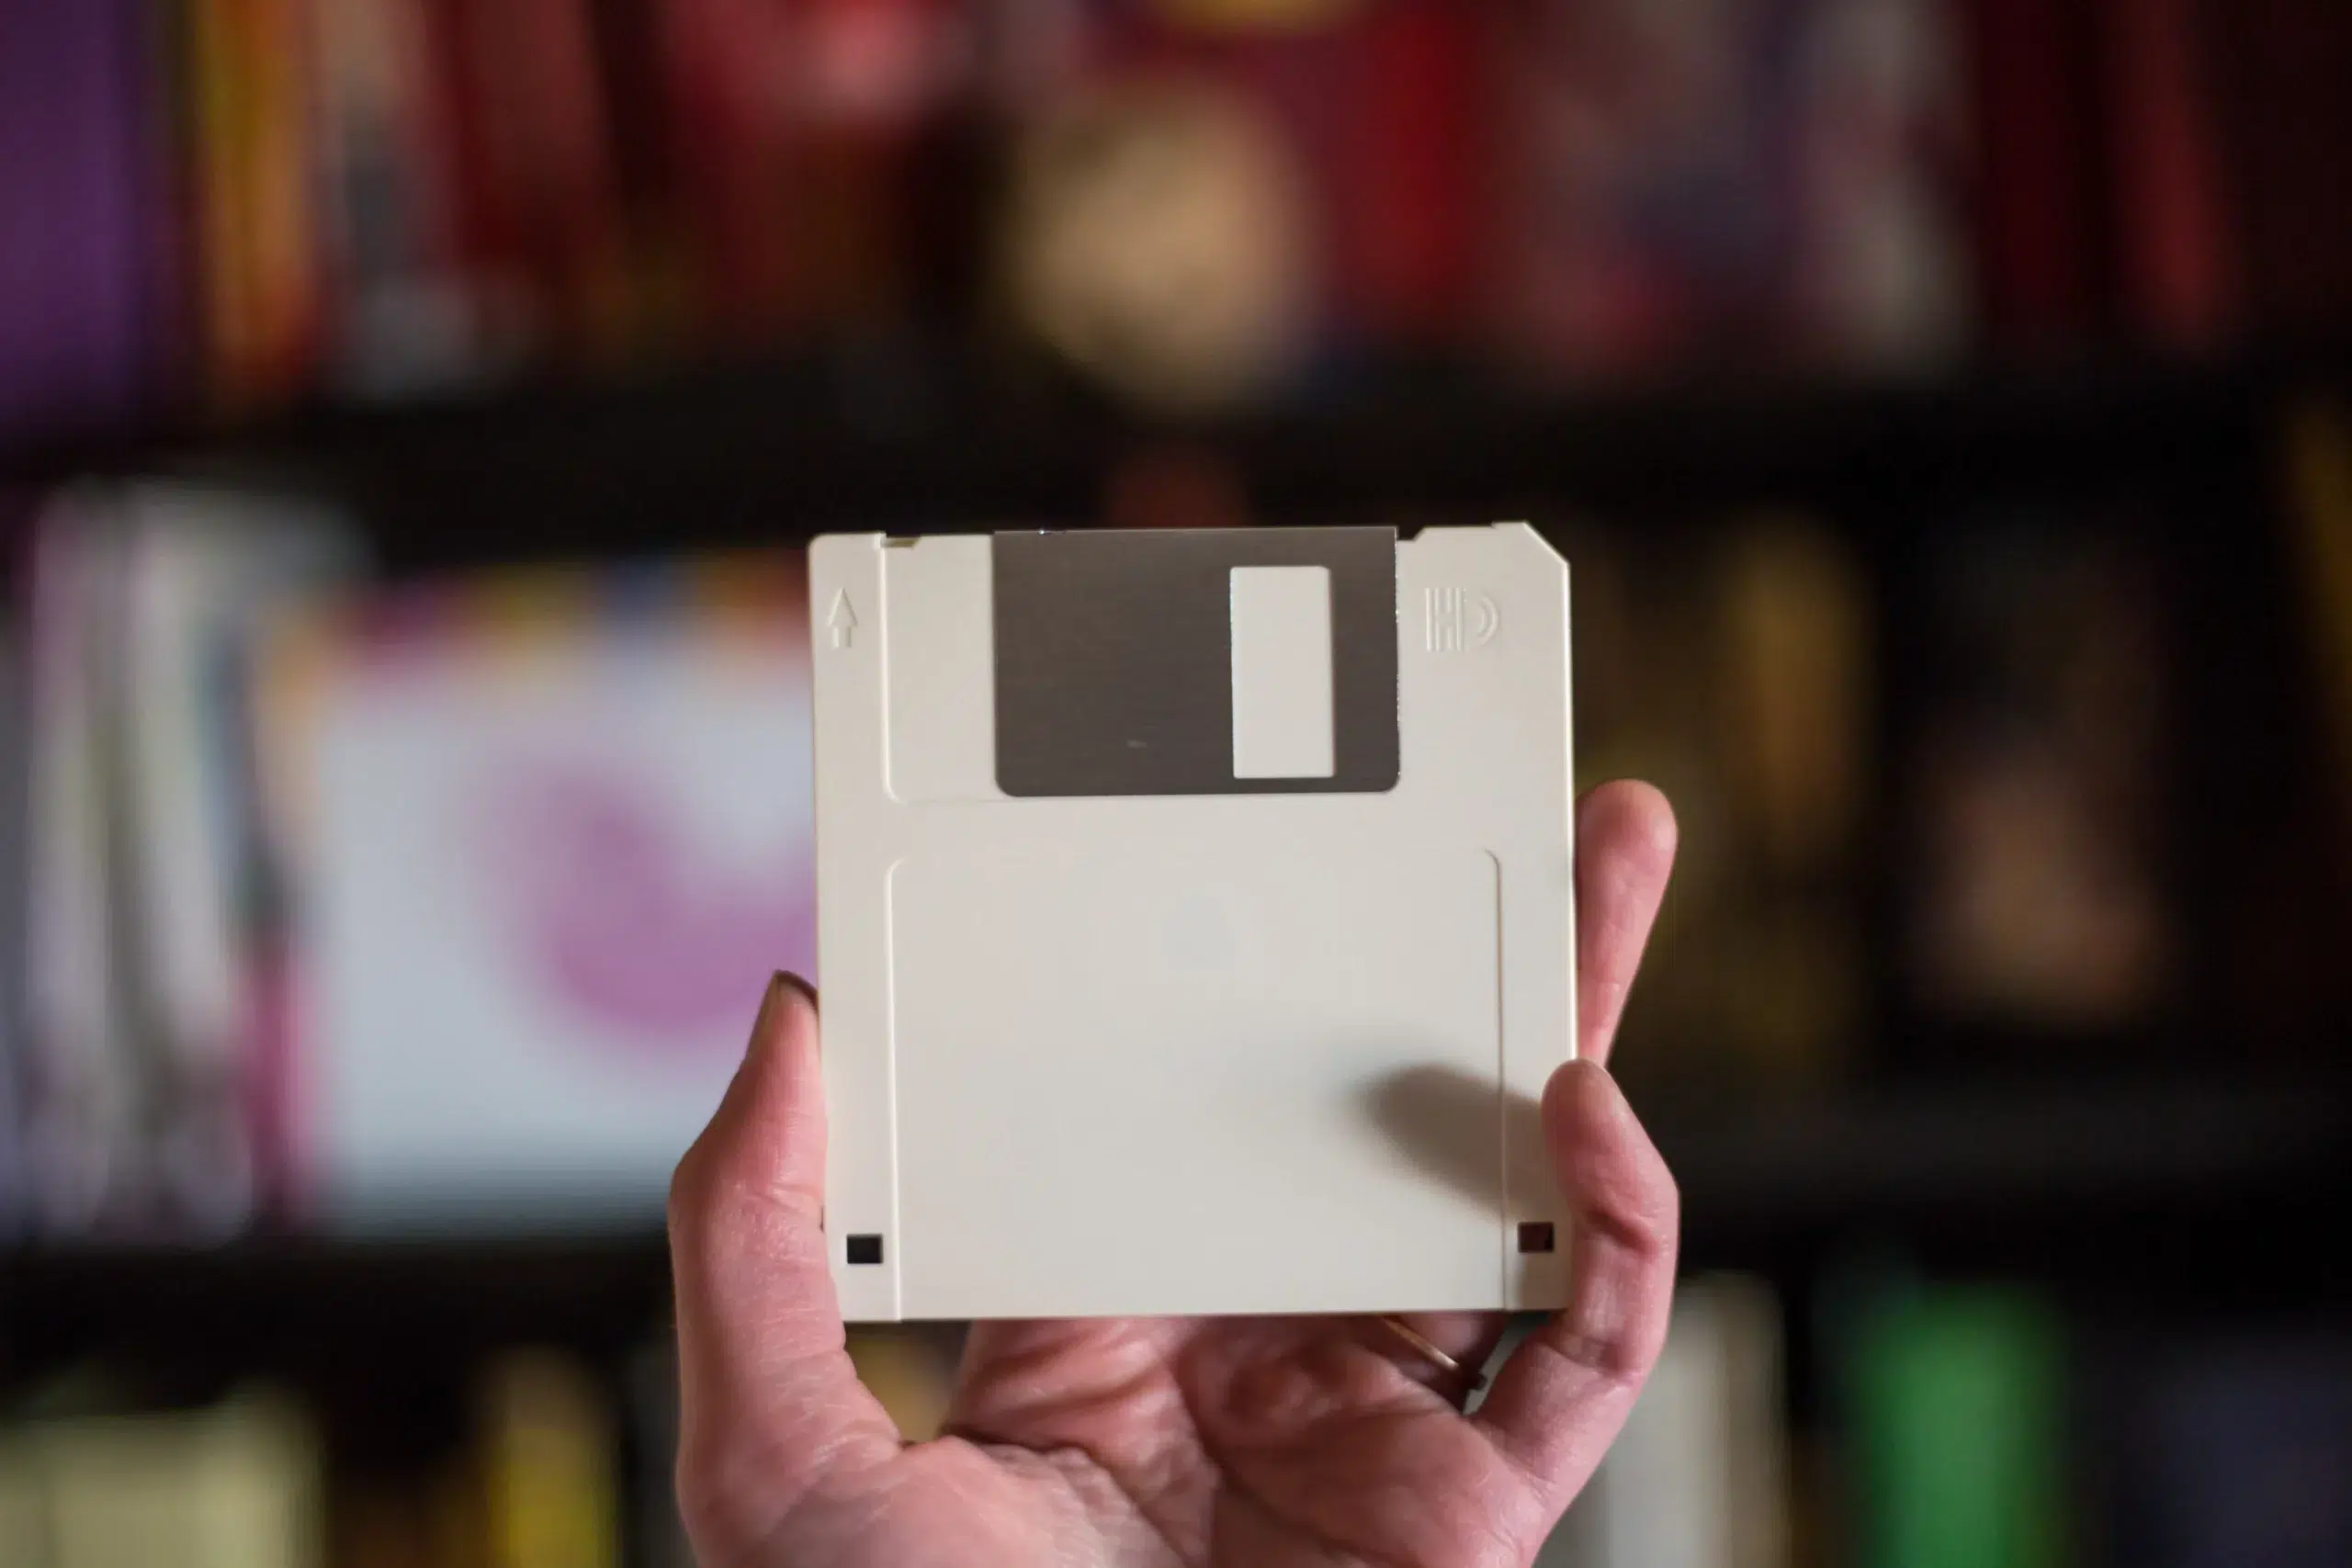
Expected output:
(1282, 672)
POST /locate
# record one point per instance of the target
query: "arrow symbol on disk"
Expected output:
(841, 620)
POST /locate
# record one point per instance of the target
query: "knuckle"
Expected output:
(1665, 1218)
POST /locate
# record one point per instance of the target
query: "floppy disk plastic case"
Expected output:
(1195, 919)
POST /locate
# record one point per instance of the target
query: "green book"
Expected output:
(1958, 1410)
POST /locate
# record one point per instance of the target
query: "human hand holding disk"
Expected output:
(1202, 1442)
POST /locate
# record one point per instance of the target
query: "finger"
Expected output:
(1560, 1400)
(769, 1402)
(1625, 837)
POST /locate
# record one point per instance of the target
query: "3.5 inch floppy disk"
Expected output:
(1196, 919)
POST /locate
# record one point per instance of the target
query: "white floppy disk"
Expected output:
(1195, 919)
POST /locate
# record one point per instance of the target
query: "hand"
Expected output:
(1117, 1442)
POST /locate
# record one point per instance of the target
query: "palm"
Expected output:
(1256, 1441)
(1192, 1442)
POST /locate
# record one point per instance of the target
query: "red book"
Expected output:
(2175, 230)
(730, 65)
(2286, 68)
(796, 123)
(2036, 176)
(478, 242)
(1411, 201)
(537, 190)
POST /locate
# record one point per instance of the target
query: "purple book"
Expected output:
(81, 213)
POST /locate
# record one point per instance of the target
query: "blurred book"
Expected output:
(14, 848)
(251, 99)
(1407, 173)
(2036, 168)
(2227, 1446)
(2176, 204)
(795, 125)
(140, 1034)
(1748, 182)
(403, 317)
(2035, 769)
(549, 1448)
(236, 1486)
(1881, 275)
(79, 1106)
(1731, 667)
(2281, 66)
(1699, 1476)
(202, 570)
(546, 835)
(82, 215)
(657, 1533)
(2319, 486)
(547, 207)
(1641, 217)
(1957, 1399)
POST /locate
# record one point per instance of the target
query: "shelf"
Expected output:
(1925, 1148)
(2082, 1179)
(909, 438)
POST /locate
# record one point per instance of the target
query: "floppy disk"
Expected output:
(1196, 919)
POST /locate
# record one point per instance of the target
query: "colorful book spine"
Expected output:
(1957, 1402)
(80, 195)
(2228, 1447)
(258, 231)
(237, 1486)
(730, 66)
(2174, 222)
(543, 137)
(82, 1107)
(402, 317)
(2035, 177)
(548, 1450)
(2287, 62)
(14, 1210)
(1407, 184)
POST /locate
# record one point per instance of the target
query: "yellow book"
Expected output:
(549, 1451)
(285, 237)
(237, 1486)
(227, 331)
(255, 218)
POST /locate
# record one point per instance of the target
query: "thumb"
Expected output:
(768, 1402)
(1558, 1402)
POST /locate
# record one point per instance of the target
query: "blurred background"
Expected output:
(411, 411)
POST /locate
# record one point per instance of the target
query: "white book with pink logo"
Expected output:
(549, 835)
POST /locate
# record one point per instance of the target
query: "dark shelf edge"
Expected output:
(2050, 1161)
(927, 437)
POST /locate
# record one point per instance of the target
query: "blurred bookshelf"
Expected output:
(923, 436)
(2094, 1173)
(409, 413)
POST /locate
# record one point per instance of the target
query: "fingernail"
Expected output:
(770, 1000)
